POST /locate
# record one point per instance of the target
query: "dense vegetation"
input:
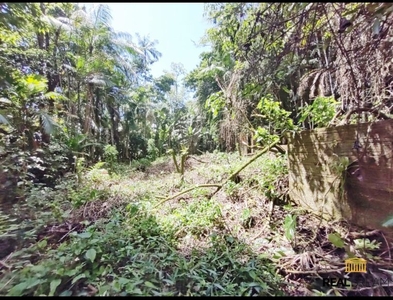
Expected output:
(91, 144)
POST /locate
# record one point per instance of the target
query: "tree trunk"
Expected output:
(88, 113)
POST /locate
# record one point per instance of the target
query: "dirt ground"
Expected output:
(310, 261)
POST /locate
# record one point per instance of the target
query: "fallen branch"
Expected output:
(373, 111)
(235, 173)
(219, 186)
(365, 288)
(277, 148)
(2, 263)
(328, 271)
(193, 157)
(185, 192)
(338, 114)
(358, 235)
(387, 245)
(68, 233)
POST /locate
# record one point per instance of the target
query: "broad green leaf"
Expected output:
(53, 286)
(85, 235)
(80, 63)
(253, 284)
(336, 240)
(91, 254)
(17, 290)
(42, 244)
(290, 226)
(137, 291)
(34, 282)
(39, 269)
(76, 278)
(66, 293)
(123, 281)
(150, 285)
(71, 272)
(253, 275)
(103, 290)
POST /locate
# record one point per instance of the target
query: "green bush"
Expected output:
(131, 255)
(320, 112)
(110, 155)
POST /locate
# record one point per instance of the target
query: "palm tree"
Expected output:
(147, 46)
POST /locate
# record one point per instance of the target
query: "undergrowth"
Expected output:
(62, 247)
(131, 254)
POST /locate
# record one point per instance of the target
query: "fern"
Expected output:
(98, 165)
(48, 123)
(55, 96)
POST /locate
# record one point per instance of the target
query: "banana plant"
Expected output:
(26, 109)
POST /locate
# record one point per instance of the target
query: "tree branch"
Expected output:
(219, 186)
(373, 111)
(185, 192)
(235, 173)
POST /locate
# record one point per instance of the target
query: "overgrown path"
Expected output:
(109, 236)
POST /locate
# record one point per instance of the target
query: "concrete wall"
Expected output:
(365, 197)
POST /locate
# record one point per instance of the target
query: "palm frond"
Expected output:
(48, 123)
(121, 35)
(123, 65)
(102, 15)
(65, 20)
(97, 81)
(81, 15)
(155, 53)
(91, 144)
(100, 80)
(57, 23)
(128, 46)
(147, 46)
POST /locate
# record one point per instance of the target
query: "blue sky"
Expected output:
(176, 26)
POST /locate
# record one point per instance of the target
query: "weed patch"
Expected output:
(132, 255)
(106, 236)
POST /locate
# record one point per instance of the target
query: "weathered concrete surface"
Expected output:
(365, 196)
